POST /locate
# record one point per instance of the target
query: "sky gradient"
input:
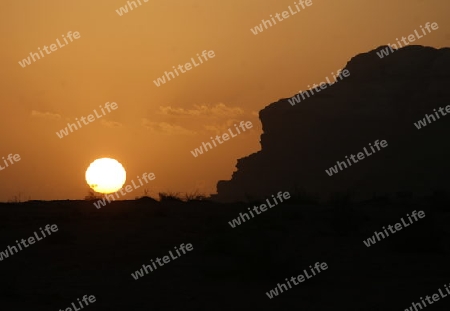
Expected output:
(154, 128)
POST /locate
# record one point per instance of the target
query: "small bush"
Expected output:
(194, 196)
(169, 197)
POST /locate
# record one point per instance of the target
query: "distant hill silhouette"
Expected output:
(381, 99)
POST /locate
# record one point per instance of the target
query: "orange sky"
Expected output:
(154, 129)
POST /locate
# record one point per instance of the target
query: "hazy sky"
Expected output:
(154, 128)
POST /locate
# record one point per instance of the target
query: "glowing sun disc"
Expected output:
(105, 175)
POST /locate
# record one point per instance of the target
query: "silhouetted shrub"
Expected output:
(194, 196)
(169, 197)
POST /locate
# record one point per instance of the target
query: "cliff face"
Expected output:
(381, 99)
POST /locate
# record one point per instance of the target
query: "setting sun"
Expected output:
(105, 175)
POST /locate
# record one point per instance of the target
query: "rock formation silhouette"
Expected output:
(381, 99)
